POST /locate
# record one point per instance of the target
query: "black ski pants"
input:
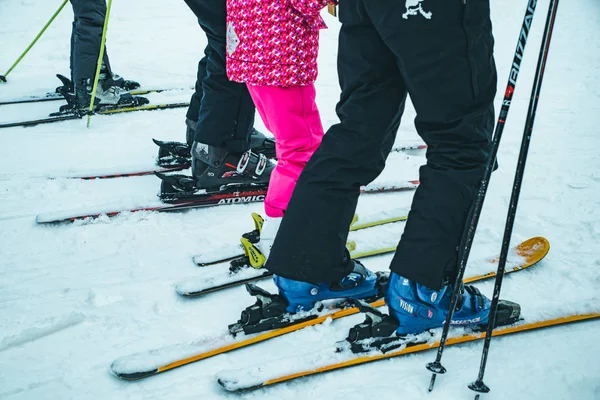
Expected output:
(86, 37)
(440, 52)
(223, 109)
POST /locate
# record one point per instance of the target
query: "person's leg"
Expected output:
(450, 74)
(291, 115)
(71, 55)
(226, 113)
(310, 245)
(196, 99)
(86, 38)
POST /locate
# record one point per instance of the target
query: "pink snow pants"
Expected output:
(291, 115)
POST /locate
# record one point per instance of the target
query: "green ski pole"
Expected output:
(3, 77)
(99, 64)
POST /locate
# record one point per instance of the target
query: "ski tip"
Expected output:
(235, 386)
(533, 250)
(198, 260)
(131, 376)
(44, 219)
(182, 290)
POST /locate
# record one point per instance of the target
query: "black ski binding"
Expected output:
(375, 332)
(179, 187)
(67, 85)
(176, 187)
(239, 264)
(267, 313)
(72, 107)
(507, 313)
(172, 153)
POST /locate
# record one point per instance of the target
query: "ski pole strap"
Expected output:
(3, 77)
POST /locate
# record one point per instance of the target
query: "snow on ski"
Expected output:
(153, 362)
(330, 359)
(201, 200)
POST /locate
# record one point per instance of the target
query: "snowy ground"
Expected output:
(74, 297)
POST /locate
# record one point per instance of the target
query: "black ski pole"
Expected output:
(470, 228)
(478, 385)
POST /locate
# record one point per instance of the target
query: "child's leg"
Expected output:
(291, 114)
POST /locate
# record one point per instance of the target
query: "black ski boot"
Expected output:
(108, 96)
(214, 170)
(124, 84)
(112, 79)
(106, 78)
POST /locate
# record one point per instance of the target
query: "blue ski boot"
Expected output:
(418, 308)
(302, 296)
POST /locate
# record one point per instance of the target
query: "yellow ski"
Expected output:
(240, 380)
(137, 366)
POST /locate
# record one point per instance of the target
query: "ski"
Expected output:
(174, 164)
(153, 362)
(58, 96)
(231, 196)
(105, 111)
(242, 270)
(207, 200)
(235, 251)
(287, 369)
(226, 279)
(179, 152)
(121, 173)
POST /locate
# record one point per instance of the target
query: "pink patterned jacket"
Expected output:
(273, 42)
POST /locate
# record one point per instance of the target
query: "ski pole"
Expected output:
(3, 77)
(478, 386)
(99, 64)
(473, 219)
